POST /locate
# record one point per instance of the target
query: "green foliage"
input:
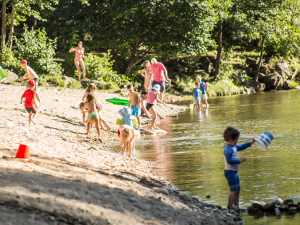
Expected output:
(100, 68)
(223, 87)
(55, 79)
(75, 85)
(38, 50)
(8, 60)
(294, 84)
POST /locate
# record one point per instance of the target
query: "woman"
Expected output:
(147, 74)
(79, 55)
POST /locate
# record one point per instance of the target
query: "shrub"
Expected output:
(223, 87)
(75, 85)
(38, 50)
(55, 79)
(8, 60)
(294, 84)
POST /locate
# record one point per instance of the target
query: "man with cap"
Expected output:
(160, 76)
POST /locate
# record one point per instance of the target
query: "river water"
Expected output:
(190, 155)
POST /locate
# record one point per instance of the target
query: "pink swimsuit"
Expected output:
(151, 98)
(79, 53)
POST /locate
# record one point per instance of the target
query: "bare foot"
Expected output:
(33, 122)
(86, 133)
(108, 128)
(162, 118)
(151, 128)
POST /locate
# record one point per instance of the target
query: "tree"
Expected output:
(20, 11)
(132, 29)
(267, 20)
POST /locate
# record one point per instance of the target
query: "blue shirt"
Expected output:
(196, 93)
(202, 88)
(232, 160)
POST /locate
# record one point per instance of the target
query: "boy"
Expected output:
(203, 92)
(134, 99)
(29, 73)
(30, 102)
(231, 137)
(197, 98)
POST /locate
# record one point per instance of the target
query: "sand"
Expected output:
(73, 178)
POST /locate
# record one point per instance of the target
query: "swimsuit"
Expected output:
(79, 53)
(148, 106)
(151, 100)
(93, 116)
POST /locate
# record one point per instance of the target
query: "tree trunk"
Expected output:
(114, 53)
(219, 53)
(12, 25)
(136, 58)
(3, 27)
(261, 55)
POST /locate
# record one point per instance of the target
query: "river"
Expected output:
(190, 155)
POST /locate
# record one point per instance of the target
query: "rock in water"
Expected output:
(270, 206)
(287, 85)
(278, 201)
(161, 190)
(293, 209)
(283, 69)
(259, 204)
(287, 201)
(185, 197)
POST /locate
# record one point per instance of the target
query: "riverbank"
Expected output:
(74, 178)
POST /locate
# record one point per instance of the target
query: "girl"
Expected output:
(126, 139)
(151, 100)
(90, 90)
(148, 74)
(92, 112)
(78, 60)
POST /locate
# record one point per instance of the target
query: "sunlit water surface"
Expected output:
(190, 155)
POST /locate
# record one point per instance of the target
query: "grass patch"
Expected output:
(223, 87)
(294, 84)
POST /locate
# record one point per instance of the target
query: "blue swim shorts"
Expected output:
(135, 110)
(233, 180)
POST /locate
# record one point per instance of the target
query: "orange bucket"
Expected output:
(23, 152)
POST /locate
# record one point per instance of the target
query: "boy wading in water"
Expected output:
(232, 161)
(197, 97)
(134, 102)
(92, 113)
(30, 103)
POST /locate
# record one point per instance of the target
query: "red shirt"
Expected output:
(158, 72)
(29, 95)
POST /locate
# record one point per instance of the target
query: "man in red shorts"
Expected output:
(160, 76)
(30, 102)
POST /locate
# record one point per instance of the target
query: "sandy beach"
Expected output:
(73, 178)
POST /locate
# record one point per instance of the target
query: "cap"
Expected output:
(153, 61)
(23, 61)
(156, 87)
(31, 83)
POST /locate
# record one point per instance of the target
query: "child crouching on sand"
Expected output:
(30, 103)
(127, 138)
(232, 161)
(152, 98)
(92, 113)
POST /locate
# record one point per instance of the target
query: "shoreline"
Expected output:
(74, 178)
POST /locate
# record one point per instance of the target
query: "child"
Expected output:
(151, 100)
(148, 74)
(93, 115)
(231, 137)
(127, 117)
(29, 73)
(197, 97)
(30, 102)
(90, 89)
(202, 89)
(144, 96)
(134, 102)
(127, 137)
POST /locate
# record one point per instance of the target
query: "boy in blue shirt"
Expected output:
(202, 89)
(197, 97)
(231, 137)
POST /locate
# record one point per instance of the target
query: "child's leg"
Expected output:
(33, 117)
(237, 198)
(205, 101)
(130, 146)
(232, 198)
(30, 115)
(97, 126)
(198, 107)
(153, 114)
(83, 118)
(138, 119)
(101, 125)
(144, 109)
(104, 122)
(88, 126)
(160, 116)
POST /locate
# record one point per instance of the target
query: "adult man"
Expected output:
(160, 75)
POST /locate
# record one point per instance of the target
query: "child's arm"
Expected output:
(157, 99)
(228, 155)
(26, 74)
(34, 102)
(142, 73)
(129, 101)
(139, 99)
(22, 99)
(244, 146)
(84, 97)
